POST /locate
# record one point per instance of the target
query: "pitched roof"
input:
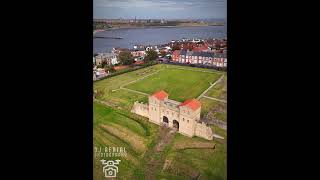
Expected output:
(220, 55)
(189, 53)
(160, 95)
(183, 52)
(203, 54)
(199, 49)
(191, 103)
(207, 54)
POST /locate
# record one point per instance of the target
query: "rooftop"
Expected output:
(191, 103)
(160, 95)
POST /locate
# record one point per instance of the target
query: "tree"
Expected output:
(163, 53)
(176, 47)
(151, 56)
(125, 58)
(109, 69)
(104, 63)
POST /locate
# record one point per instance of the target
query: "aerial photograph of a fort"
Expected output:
(160, 89)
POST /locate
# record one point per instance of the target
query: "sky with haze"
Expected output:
(159, 9)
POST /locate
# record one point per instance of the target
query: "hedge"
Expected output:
(198, 65)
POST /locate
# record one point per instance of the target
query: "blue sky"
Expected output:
(158, 9)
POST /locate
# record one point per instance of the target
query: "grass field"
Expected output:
(219, 108)
(183, 153)
(180, 84)
(183, 157)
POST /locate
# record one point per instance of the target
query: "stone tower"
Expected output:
(154, 105)
(189, 116)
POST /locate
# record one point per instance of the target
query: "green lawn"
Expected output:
(180, 84)
(210, 163)
(122, 98)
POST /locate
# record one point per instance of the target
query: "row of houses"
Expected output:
(194, 57)
(208, 52)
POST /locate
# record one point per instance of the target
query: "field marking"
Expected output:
(220, 100)
(139, 78)
(125, 84)
(204, 92)
(135, 91)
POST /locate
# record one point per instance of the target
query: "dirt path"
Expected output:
(223, 101)
(155, 157)
(204, 92)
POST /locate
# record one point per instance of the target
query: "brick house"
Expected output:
(175, 55)
(182, 56)
(220, 60)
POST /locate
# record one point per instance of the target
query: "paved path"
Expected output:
(218, 136)
(223, 101)
(204, 92)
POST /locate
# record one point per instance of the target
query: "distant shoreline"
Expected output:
(147, 27)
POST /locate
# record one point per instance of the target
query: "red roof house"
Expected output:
(175, 55)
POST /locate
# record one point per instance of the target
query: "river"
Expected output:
(153, 36)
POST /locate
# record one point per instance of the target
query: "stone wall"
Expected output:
(188, 122)
(140, 109)
(204, 131)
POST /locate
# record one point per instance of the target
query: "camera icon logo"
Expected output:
(110, 168)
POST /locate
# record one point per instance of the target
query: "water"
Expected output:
(153, 36)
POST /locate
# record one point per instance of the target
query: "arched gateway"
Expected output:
(176, 125)
(165, 120)
(160, 108)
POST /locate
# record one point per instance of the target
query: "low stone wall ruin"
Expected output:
(204, 131)
(140, 109)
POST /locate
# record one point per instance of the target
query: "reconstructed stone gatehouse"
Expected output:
(185, 117)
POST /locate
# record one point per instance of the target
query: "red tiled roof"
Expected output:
(191, 103)
(199, 49)
(160, 95)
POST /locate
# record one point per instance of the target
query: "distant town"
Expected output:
(105, 24)
(210, 53)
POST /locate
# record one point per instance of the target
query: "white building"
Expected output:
(109, 58)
